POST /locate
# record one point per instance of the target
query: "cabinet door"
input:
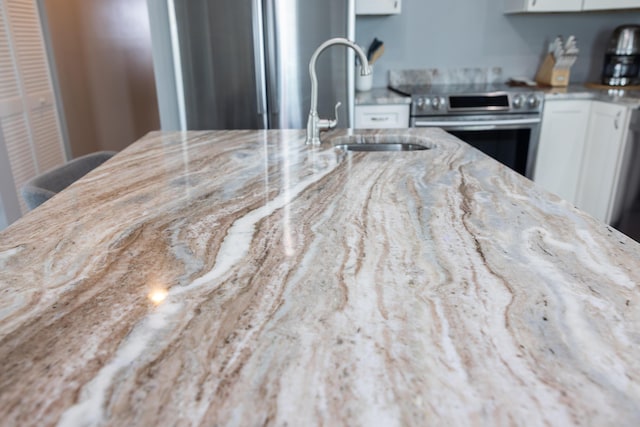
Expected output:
(599, 176)
(562, 138)
(543, 5)
(610, 4)
(378, 7)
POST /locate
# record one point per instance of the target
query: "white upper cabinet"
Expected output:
(539, 6)
(378, 7)
(514, 6)
(610, 4)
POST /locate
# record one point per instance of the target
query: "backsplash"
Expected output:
(435, 76)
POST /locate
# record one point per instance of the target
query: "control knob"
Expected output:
(435, 103)
(421, 104)
(532, 101)
(517, 101)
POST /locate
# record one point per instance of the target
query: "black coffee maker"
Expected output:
(622, 58)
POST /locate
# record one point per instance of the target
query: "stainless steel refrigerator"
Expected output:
(244, 64)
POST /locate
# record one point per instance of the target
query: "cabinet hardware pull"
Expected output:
(379, 119)
(533, 3)
(616, 122)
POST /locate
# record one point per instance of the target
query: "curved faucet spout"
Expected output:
(315, 124)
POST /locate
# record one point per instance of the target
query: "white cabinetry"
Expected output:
(562, 136)
(515, 6)
(378, 7)
(610, 4)
(581, 153)
(382, 116)
(602, 159)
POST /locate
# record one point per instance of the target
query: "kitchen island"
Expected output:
(243, 278)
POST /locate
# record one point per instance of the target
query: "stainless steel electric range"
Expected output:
(502, 121)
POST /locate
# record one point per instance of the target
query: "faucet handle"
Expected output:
(329, 124)
(338, 104)
(335, 121)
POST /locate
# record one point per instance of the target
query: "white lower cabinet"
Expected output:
(382, 116)
(580, 153)
(602, 159)
(562, 136)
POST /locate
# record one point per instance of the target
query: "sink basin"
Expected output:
(381, 146)
(381, 142)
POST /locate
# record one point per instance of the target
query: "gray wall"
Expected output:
(476, 33)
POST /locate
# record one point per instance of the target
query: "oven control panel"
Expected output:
(477, 103)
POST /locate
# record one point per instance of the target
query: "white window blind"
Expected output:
(28, 116)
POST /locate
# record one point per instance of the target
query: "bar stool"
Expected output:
(43, 187)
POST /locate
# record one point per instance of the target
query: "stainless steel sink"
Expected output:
(381, 146)
(381, 142)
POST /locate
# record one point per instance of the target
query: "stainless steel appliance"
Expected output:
(626, 208)
(245, 63)
(622, 58)
(501, 121)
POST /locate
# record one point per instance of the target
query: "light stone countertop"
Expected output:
(385, 96)
(578, 91)
(381, 96)
(243, 278)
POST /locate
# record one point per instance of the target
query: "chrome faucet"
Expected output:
(315, 124)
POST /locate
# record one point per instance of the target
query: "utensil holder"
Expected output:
(364, 83)
(548, 75)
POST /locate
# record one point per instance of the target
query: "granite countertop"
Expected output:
(381, 96)
(580, 91)
(385, 96)
(243, 278)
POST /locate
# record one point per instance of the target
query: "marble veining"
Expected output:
(243, 278)
(446, 76)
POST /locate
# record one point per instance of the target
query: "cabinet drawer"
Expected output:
(382, 116)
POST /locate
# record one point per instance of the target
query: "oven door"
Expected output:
(512, 139)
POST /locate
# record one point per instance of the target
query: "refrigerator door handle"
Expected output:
(259, 62)
(351, 58)
(271, 46)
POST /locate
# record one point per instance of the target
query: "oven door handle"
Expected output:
(476, 124)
